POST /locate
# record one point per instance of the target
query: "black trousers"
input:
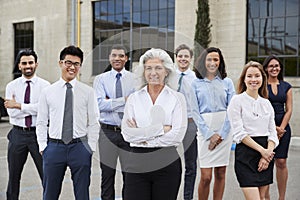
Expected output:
(20, 143)
(111, 147)
(190, 160)
(154, 174)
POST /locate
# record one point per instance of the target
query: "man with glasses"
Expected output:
(22, 95)
(70, 107)
(112, 90)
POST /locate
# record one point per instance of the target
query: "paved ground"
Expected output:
(31, 187)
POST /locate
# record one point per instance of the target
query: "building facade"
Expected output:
(48, 26)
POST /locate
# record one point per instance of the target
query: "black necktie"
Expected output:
(28, 119)
(67, 129)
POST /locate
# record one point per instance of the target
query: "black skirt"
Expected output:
(246, 165)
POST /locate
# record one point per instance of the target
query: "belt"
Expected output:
(76, 140)
(24, 128)
(111, 127)
(190, 120)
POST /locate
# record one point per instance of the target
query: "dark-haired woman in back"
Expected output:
(280, 96)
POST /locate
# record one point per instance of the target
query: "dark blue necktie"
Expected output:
(180, 81)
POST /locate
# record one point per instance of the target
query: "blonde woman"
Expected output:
(251, 117)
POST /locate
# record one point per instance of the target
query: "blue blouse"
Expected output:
(212, 96)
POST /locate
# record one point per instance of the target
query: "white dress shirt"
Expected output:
(105, 88)
(168, 109)
(51, 107)
(253, 117)
(17, 89)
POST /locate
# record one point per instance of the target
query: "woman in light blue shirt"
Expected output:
(213, 92)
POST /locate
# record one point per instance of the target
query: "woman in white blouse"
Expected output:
(154, 123)
(252, 121)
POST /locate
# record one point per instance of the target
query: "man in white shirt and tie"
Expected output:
(112, 90)
(70, 107)
(185, 78)
(21, 101)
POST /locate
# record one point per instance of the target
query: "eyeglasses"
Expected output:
(69, 63)
(29, 62)
(273, 66)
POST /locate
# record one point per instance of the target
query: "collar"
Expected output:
(33, 79)
(215, 78)
(62, 82)
(186, 72)
(165, 89)
(114, 72)
(251, 98)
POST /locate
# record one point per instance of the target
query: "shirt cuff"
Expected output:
(42, 146)
(92, 145)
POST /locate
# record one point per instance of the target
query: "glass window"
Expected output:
(136, 5)
(253, 9)
(119, 19)
(146, 6)
(171, 17)
(163, 4)
(292, 8)
(97, 11)
(275, 30)
(111, 7)
(154, 18)
(278, 27)
(264, 7)
(145, 18)
(291, 45)
(264, 46)
(112, 22)
(277, 45)
(265, 28)
(111, 19)
(119, 7)
(163, 15)
(136, 19)
(291, 29)
(278, 8)
(126, 20)
(23, 40)
(252, 48)
(153, 4)
(253, 27)
(126, 6)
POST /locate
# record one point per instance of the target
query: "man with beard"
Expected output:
(22, 95)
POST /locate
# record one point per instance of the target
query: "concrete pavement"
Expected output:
(31, 188)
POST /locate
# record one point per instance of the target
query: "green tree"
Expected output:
(202, 30)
